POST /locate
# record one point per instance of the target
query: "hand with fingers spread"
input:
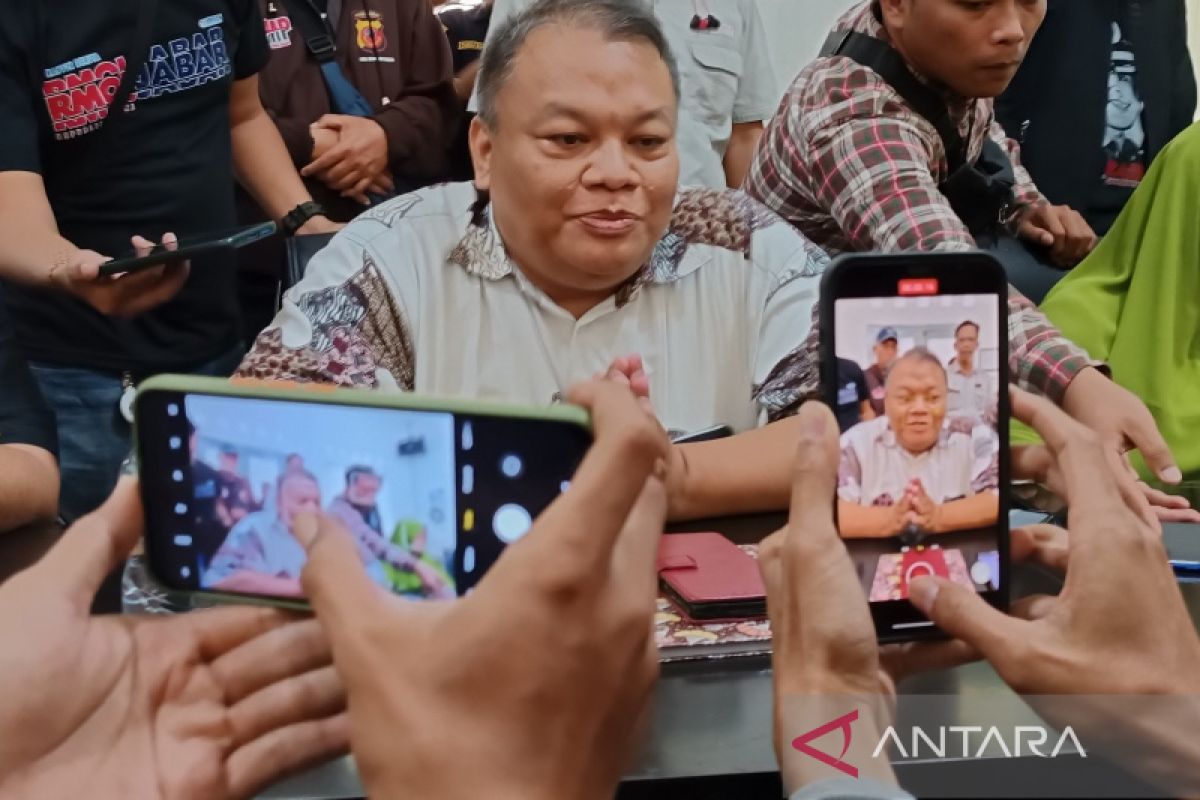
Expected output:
(1037, 462)
(213, 704)
(1118, 627)
(1121, 420)
(1060, 229)
(531, 685)
(127, 295)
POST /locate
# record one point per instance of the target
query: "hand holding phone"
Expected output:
(925, 461)
(429, 491)
(147, 255)
(561, 618)
(87, 275)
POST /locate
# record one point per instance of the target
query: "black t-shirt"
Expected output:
(466, 27)
(24, 416)
(851, 391)
(166, 166)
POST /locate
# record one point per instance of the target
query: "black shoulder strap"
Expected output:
(883, 59)
(315, 28)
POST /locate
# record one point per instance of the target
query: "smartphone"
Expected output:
(914, 355)
(430, 491)
(189, 247)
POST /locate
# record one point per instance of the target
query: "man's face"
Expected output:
(298, 494)
(915, 403)
(1124, 109)
(364, 489)
(885, 353)
(971, 46)
(582, 167)
(229, 462)
(966, 342)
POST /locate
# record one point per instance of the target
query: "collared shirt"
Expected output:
(261, 544)
(853, 166)
(419, 294)
(725, 76)
(970, 395)
(875, 469)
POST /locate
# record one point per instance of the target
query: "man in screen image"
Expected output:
(886, 343)
(360, 497)
(260, 555)
(915, 469)
(236, 497)
(971, 390)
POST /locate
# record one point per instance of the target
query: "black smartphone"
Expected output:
(914, 355)
(189, 247)
(430, 491)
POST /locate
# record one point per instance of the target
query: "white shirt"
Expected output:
(725, 77)
(418, 294)
(875, 469)
(970, 395)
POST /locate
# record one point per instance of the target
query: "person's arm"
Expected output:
(872, 172)
(856, 521)
(743, 142)
(260, 160)
(976, 511)
(29, 485)
(865, 411)
(419, 122)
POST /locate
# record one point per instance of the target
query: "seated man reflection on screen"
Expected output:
(260, 555)
(915, 469)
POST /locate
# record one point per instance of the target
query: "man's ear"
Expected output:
(480, 141)
(893, 12)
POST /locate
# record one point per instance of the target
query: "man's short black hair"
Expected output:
(617, 20)
(964, 324)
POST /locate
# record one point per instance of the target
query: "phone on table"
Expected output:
(914, 355)
(429, 490)
(189, 247)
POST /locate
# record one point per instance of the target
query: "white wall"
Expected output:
(795, 31)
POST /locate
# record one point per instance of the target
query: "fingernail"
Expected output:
(922, 593)
(1171, 474)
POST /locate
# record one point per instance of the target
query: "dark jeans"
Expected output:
(1032, 275)
(93, 438)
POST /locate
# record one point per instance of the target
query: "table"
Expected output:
(713, 718)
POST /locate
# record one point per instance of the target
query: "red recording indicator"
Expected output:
(917, 287)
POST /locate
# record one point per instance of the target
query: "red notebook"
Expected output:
(710, 577)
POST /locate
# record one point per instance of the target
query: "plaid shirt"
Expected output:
(848, 162)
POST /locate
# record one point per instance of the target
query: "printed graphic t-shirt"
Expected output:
(166, 166)
(1124, 136)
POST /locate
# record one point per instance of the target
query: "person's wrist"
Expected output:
(1080, 385)
(316, 225)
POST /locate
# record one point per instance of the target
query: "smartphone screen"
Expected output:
(920, 393)
(429, 498)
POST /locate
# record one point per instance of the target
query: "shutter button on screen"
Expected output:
(511, 522)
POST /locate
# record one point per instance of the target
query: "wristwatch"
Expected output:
(299, 215)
